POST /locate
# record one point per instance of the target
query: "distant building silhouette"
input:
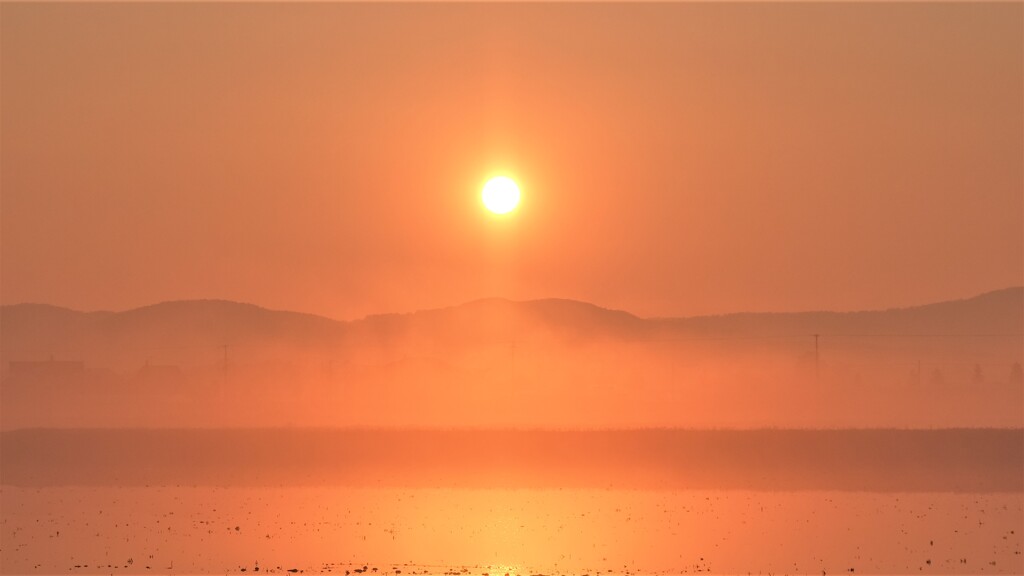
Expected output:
(46, 368)
(160, 374)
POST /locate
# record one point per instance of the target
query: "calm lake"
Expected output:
(357, 504)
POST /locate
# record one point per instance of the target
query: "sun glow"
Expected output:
(500, 195)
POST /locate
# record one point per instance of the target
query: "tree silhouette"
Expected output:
(979, 376)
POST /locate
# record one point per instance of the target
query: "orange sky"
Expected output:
(674, 159)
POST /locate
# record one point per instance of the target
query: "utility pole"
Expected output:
(817, 361)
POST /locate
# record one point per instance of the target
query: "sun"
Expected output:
(500, 195)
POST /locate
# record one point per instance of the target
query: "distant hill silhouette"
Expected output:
(997, 312)
(497, 362)
(37, 331)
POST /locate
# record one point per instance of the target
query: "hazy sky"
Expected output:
(674, 159)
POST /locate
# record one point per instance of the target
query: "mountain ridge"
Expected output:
(38, 331)
(499, 362)
(1011, 291)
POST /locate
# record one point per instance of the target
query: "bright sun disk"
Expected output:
(500, 195)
